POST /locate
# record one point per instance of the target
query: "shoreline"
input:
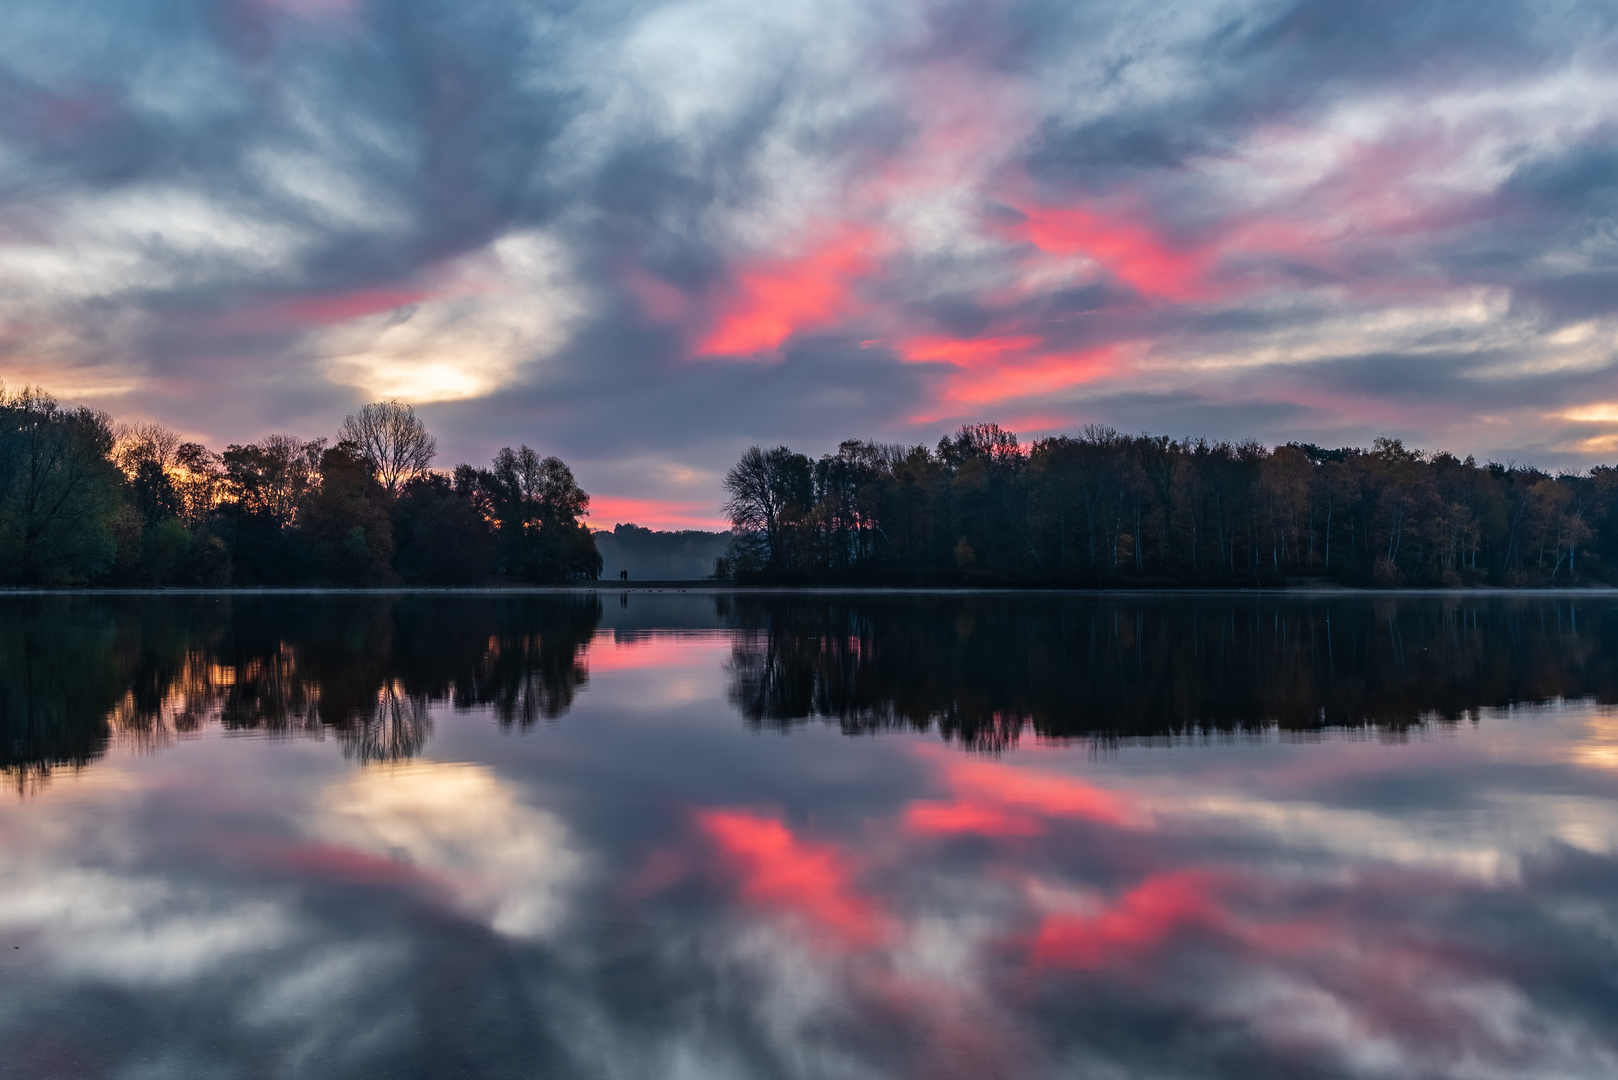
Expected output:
(719, 588)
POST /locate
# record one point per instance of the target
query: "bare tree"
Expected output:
(770, 490)
(392, 440)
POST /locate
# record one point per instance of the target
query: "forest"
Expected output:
(1104, 509)
(84, 501)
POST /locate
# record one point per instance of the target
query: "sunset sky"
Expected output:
(643, 236)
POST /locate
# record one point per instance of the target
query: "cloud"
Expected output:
(772, 300)
(255, 215)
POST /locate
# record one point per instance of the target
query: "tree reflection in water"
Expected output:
(77, 672)
(985, 669)
(59, 682)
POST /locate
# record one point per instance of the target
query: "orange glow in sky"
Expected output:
(669, 515)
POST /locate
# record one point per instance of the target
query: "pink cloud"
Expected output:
(312, 312)
(998, 368)
(946, 818)
(769, 300)
(1128, 250)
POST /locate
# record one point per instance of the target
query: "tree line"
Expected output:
(84, 501)
(1105, 509)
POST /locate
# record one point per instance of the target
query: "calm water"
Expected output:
(685, 835)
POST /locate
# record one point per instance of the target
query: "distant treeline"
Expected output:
(1102, 508)
(83, 501)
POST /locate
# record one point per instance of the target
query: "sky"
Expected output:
(644, 236)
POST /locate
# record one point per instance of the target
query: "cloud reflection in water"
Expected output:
(1168, 866)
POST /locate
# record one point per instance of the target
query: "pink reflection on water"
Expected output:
(810, 880)
(1143, 917)
(1073, 886)
(998, 799)
(609, 652)
(942, 818)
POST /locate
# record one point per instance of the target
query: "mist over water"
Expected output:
(824, 835)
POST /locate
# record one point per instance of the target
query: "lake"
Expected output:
(711, 835)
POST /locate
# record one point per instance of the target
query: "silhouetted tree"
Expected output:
(1102, 508)
(441, 536)
(538, 506)
(59, 491)
(198, 478)
(263, 486)
(345, 521)
(770, 492)
(83, 503)
(393, 442)
(136, 444)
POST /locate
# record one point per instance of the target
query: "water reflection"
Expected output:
(59, 680)
(985, 669)
(685, 878)
(77, 672)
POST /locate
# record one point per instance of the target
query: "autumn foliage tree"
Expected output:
(84, 502)
(1103, 508)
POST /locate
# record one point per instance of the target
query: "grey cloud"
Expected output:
(392, 140)
(1113, 149)
(1255, 70)
(1316, 40)
(1582, 178)
(1570, 296)
(1188, 414)
(1456, 378)
(820, 391)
